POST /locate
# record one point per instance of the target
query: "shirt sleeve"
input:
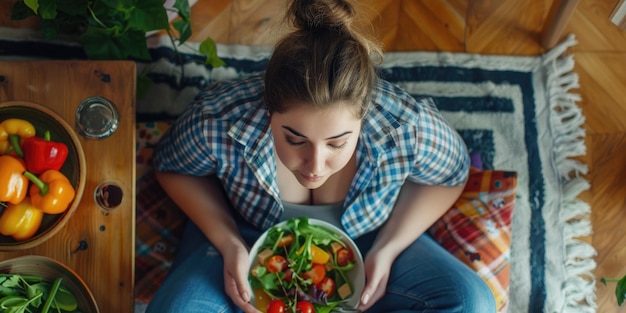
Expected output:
(185, 148)
(441, 155)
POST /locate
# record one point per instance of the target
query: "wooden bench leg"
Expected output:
(559, 14)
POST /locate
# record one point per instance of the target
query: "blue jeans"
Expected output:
(424, 278)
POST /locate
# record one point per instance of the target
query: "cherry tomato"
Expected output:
(305, 307)
(344, 257)
(276, 306)
(315, 274)
(276, 264)
(328, 286)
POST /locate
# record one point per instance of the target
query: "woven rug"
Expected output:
(517, 113)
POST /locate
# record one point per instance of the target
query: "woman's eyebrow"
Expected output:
(296, 133)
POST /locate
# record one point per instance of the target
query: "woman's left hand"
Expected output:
(377, 266)
(236, 277)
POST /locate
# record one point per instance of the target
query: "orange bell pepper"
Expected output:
(13, 185)
(11, 132)
(20, 221)
(51, 191)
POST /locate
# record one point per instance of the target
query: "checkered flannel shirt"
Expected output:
(225, 131)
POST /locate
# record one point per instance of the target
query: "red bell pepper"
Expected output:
(41, 154)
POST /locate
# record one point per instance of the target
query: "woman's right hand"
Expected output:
(236, 266)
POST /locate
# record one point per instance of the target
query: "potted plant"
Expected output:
(115, 29)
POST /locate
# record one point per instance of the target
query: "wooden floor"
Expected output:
(509, 27)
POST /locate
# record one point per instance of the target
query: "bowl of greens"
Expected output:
(305, 265)
(34, 283)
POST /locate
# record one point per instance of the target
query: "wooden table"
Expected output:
(107, 264)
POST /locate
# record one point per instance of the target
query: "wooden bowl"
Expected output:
(74, 167)
(50, 269)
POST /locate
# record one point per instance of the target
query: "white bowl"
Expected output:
(356, 275)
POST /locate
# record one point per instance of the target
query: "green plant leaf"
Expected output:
(99, 45)
(47, 9)
(32, 4)
(209, 49)
(48, 29)
(76, 8)
(148, 15)
(184, 11)
(184, 30)
(20, 11)
(620, 290)
(12, 280)
(118, 4)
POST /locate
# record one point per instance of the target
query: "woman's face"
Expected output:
(314, 144)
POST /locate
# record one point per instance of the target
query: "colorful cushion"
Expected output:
(159, 222)
(477, 229)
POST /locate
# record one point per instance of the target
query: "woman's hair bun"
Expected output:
(312, 14)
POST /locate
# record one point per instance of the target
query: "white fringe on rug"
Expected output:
(578, 291)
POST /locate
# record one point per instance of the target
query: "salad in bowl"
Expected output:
(305, 265)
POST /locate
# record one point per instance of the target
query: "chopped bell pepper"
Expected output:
(12, 132)
(51, 191)
(13, 184)
(20, 221)
(41, 154)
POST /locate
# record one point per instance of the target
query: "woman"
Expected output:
(317, 134)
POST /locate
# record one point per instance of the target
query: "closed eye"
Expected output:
(338, 147)
(294, 143)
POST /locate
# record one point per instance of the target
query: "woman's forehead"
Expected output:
(314, 122)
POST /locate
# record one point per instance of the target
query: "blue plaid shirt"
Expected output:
(225, 131)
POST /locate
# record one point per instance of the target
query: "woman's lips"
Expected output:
(313, 179)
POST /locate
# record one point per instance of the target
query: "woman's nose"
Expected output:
(316, 161)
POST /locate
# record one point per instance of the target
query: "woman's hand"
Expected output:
(417, 207)
(236, 263)
(377, 267)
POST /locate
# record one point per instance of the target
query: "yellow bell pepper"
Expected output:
(12, 132)
(20, 221)
(13, 184)
(51, 191)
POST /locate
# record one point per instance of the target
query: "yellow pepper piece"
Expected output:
(20, 221)
(13, 184)
(318, 255)
(14, 127)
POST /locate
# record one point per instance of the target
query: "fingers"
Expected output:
(377, 278)
(236, 279)
(239, 293)
(373, 291)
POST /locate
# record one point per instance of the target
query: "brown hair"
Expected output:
(326, 59)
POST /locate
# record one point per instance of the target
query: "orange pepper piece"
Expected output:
(51, 191)
(318, 255)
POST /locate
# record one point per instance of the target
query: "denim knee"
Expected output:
(477, 297)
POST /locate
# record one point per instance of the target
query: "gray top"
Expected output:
(330, 213)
